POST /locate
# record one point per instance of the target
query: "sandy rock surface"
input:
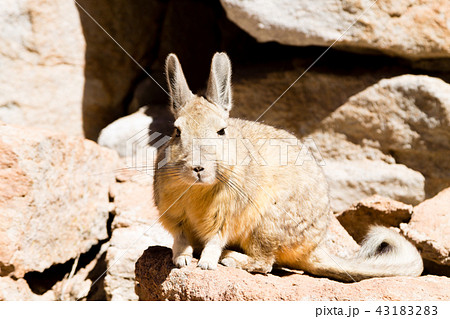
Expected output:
(42, 50)
(54, 200)
(157, 279)
(338, 241)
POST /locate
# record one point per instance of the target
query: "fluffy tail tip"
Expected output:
(385, 243)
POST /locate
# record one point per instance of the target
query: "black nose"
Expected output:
(198, 169)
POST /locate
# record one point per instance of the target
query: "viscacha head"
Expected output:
(201, 122)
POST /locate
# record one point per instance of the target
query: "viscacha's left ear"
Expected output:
(219, 83)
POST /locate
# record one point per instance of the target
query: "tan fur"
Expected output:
(274, 212)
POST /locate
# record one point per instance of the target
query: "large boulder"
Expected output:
(351, 180)
(407, 28)
(157, 279)
(406, 117)
(54, 202)
(42, 54)
(61, 71)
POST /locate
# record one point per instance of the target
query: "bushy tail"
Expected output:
(383, 253)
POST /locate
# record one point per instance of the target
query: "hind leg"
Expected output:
(235, 259)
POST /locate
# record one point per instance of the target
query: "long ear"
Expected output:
(178, 87)
(219, 83)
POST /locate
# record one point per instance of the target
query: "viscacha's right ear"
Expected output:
(178, 87)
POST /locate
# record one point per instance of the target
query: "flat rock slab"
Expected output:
(374, 210)
(412, 29)
(157, 279)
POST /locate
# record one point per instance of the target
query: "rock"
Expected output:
(356, 171)
(407, 28)
(136, 137)
(338, 241)
(127, 133)
(351, 180)
(429, 228)
(157, 279)
(72, 76)
(76, 279)
(127, 245)
(391, 139)
(407, 117)
(18, 290)
(135, 228)
(54, 200)
(81, 282)
(319, 92)
(375, 210)
(404, 112)
(42, 52)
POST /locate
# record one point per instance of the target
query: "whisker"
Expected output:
(233, 185)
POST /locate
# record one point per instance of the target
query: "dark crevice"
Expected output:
(109, 226)
(97, 274)
(97, 277)
(41, 282)
(6, 269)
(433, 268)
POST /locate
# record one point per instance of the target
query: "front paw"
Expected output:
(206, 264)
(182, 261)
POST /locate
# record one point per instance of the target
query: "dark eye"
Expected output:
(177, 132)
(221, 132)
